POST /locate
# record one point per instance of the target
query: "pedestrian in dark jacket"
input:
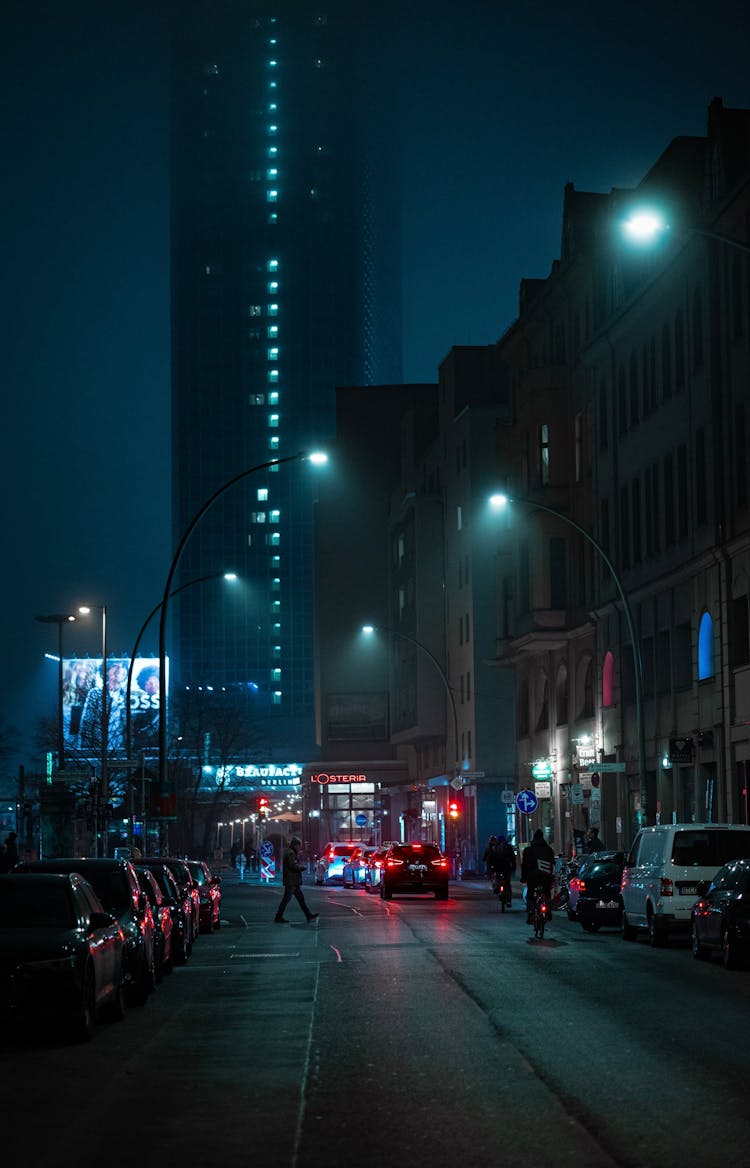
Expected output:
(593, 843)
(291, 874)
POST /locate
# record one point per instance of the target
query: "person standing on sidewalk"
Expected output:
(291, 874)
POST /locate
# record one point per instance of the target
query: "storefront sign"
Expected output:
(324, 778)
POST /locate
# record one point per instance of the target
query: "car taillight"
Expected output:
(581, 885)
(378, 863)
(441, 863)
(575, 884)
(667, 887)
(393, 863)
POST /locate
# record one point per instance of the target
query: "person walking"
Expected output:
(291, 873)
(593, 843)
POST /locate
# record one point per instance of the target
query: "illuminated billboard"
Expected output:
(82, 705)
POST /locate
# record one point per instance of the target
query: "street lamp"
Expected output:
(499, 502)
(316, 457)
(59, 619)
(144, 626)
(646, 225)
(84, 610)
(368, 630)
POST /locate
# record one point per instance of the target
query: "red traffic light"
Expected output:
(262, 803)
(454, 809)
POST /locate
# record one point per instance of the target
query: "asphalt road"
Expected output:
(412, 1032)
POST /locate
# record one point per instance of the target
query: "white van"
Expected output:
(666, 863)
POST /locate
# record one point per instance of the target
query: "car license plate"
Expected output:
(417, 867)
(607, 904)
(688, 889)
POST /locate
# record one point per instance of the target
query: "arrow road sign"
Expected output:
(526, 802)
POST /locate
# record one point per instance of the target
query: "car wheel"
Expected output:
(115, 1010)
(657, 934)
(700, 952)
(217, 922)
(627, 931)
(83, 1022)
(144, 983)
(729, 954)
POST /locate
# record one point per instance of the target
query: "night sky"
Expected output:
(504, 104)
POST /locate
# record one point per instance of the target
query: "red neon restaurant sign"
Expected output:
(323, 778)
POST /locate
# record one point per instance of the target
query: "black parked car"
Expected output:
(414, 867)
(209, 891)
(61, 954)
(720, 920)
(116, 884)
(187, 885)
(163, 921)
(594, 893)
(180, 907)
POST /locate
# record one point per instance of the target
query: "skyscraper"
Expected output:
(285, 284)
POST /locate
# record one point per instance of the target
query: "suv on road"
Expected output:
(414, 867)
(664, 868)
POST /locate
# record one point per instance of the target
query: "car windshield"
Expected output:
(709, 849)
(423, 851)
(604, 870)
(344, 849)
(112, 888)
(199, 876)
(35, 907)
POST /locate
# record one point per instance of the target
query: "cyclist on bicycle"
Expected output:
(537, 870)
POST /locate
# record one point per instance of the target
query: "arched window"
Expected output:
(561, 696)
(706, 648)
(608, 681)
(523, 710)
(585, 688)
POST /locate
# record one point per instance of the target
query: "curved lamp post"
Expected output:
(136, 646)
(501, 501)
(58, 619)
(304, 455)
(646, 225)
(368, 630)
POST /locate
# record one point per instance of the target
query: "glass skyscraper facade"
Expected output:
(285, 284)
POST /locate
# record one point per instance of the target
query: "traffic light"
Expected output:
(262, 804)
(454, 809)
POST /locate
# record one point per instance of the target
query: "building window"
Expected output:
(468, 638)
(544, 454)
(682, 492)
(468, 687)
(276, 697)
(262, 494)
(706, 667)
(739, 640)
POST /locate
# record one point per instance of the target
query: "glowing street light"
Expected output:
(318, 458)
(370, 630)
(646, 225)
(499, 502)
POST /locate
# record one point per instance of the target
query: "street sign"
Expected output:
(576, 793)
(361, 820)
(542, 769)
(507, 797)
(457, 783)
(599, 767)
(543, 790)
(472, 774)
(526, 802)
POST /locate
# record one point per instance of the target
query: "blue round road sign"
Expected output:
(361, 820)
(526, 802)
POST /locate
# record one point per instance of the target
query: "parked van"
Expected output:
(662, 872)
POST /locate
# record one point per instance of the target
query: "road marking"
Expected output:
(341, 904)
(336, 951)
(305, 1075)
(243, 921)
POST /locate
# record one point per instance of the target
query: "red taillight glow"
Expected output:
(575, 884)
(667, 887)
(393, 863)
(441, 863)
(416, 847)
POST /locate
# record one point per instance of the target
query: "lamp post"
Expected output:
(303, 455)
(500, 501)
(136, 645)
(59, 619)
(84, 610)
(644, 226)
(368, 630)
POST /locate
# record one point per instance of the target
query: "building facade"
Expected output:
(285, 284)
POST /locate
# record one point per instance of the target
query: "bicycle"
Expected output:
(542, 913)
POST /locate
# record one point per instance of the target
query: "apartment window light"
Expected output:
(273, 217)
(275, 516)
(273, 265)
(273, 376)
(276, 674)
(262, 494)
(273, 420)
(273, 310)
(276, 560)
(273, 443)
(276, 697)
(276, 606)
(257, 399)
(272, 196)
(275, 538)
(258, 516)
(272, 330)
(273, 151)
(272, 172)
(273, 353)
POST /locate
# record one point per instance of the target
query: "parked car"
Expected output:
(720, 919)
(594, 892)
(61, 954)
(209, 891)
(415, 867)
(180, 908)
(163, 924)
(330, 865)
(116, 884)
(353, 871)
(188, 887)
(664, 869)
